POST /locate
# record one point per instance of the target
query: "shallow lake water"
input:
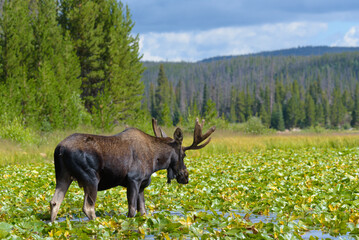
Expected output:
(321, 235)
(254, 218)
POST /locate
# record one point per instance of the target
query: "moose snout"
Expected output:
(182, 176)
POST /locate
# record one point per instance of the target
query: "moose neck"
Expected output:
(162, 159)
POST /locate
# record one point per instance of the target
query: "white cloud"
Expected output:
(147, 53)
(350, 39)
(193, 46)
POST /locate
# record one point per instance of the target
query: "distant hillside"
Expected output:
(300, 51)
(258, 75)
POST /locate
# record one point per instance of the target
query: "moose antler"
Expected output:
(157, 130)
(198, 137)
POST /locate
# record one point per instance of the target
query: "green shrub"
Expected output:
(16, 131)
(254, 126)
(316, 129)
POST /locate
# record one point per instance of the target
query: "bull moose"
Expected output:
(128, 159)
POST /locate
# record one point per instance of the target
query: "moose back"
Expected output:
(127, 159)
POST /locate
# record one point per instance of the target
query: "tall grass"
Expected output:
(226, 142)
(39, 148)
(223, 142)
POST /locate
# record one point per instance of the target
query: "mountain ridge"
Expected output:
(299, 51)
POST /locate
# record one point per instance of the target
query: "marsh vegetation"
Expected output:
(260, 187)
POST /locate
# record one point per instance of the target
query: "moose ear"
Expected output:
(178, 135)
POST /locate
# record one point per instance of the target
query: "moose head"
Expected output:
(177, 168)
(128, 159)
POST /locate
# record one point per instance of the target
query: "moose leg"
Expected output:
(61, 188)
(141, 202)
(132, 197)
(89, 201)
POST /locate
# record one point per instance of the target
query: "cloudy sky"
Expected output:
(191, 30)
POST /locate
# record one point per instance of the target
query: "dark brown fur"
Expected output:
(127, 159)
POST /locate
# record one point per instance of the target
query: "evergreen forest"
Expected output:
(68, 63)
(285, 92)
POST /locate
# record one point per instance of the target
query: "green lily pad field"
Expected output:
(265, 193)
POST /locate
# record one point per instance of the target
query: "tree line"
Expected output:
(68, 62)
(284, 92)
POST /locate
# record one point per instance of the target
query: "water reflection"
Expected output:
(73, 219)
(321, 235)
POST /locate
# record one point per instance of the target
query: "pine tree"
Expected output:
(279, 91)
(277, 120)
(192, 113)
(347, 100)
(109, 57)
(56, 70)
(39, 66)
(232, 112)
(326, 109)
(176, 116)
(180, 97)
(123, 68)
(293, 112)
(337, 108)
(301, 114)
(219, 100)
(309, 110)
(102, 111)
(241, 107)
(264, 110)
(248, 105)
(355, 112)
(264, 115)
(204, 99)
(179, 108)
(210, 113)
(17, 49)
(162, 99)
(315, 90)
(166, 119)
(85, 21)
(280, 125)
(319, 114)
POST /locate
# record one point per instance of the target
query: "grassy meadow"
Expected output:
(277, 186)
